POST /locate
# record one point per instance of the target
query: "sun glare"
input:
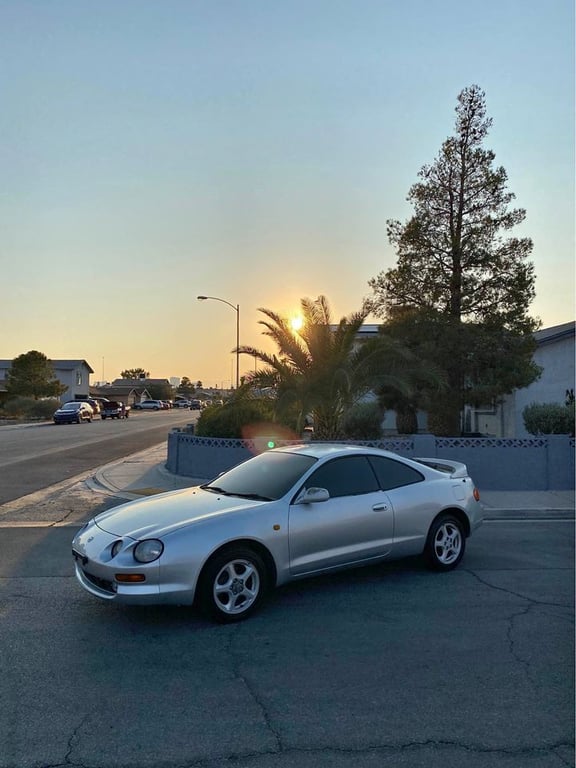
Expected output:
(296, 323)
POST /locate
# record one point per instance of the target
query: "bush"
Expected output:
(363, 422)
(549, 419)
(228, 420)
(28, 408)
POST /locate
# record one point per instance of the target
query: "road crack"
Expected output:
(236, 670)
(531, 600)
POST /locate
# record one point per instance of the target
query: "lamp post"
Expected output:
(236, 308)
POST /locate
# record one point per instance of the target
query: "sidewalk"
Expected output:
(145, 474)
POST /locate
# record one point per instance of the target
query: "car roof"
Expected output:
(321, 450)
(426, 466)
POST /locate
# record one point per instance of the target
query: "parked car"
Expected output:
(181, 403)
(287, 514)
(167, 404)
(114, 409)
(73, 413)
(149, 405)
(195, 405)
(95, 404)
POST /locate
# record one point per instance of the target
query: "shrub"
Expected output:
(28, 408)
(228, 420)
(363, 422)
(549, 419)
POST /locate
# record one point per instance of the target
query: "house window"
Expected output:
(78, 378)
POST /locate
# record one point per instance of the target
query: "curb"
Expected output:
(534, 513)
(99, 483)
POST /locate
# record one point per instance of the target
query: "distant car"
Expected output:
(167, 403)
(195, 405)
(114, 409)
(73, 413)
(149, 405)
(181, 403)
(286, 514)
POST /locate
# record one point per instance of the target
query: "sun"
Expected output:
(296, 323)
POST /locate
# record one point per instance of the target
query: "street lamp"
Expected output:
(236, 308)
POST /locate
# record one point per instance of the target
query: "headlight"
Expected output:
(116, 547)
(149, 550)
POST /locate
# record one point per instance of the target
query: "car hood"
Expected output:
(159, 515)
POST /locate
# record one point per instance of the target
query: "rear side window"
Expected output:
(347, 476)
(393, 474)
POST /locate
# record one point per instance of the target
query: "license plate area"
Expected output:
(82, 559)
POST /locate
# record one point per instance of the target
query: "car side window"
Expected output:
(346, 476)
(393, 474)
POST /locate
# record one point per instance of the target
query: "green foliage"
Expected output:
(28, 408)
(228, 420)
(32, 375)
(186, 388)
(457, 270)
(549, 419)
(363, 422)
(135, 373)
(160, 391)
(322, 369)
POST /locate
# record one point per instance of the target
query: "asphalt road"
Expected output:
(38, 456)
(383, 667)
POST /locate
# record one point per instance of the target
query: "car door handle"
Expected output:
(379, 507)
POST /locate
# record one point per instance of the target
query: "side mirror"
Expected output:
(313, 496)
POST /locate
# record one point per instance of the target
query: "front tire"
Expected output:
(446, 543)
(232, 585)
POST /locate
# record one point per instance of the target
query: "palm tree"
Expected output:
(322, 369)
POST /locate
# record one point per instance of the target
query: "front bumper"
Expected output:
(96, 571)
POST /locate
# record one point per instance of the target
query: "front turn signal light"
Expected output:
(129, 578)
(476, 494)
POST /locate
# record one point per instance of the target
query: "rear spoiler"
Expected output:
(453, 468)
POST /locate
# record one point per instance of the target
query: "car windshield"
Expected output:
(71, 407)
(266, 477)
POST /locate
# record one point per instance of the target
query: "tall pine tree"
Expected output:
(462, 287)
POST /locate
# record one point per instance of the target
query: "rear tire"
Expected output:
(446, 543)
(232, 585)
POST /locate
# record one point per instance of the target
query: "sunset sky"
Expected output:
(252, 150)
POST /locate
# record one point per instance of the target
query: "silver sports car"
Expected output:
(286, 514)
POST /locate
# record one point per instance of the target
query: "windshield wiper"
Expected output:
(215, 489)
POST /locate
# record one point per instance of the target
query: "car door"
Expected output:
(356, 524)
(409, 496)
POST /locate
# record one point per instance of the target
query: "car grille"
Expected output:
(103, 584)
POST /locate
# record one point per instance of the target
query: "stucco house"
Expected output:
(126, 392)
(73, 374)
(555, 355)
